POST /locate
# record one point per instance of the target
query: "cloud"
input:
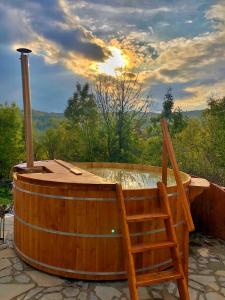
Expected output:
(196, 62)
(14, 25)
(155, 36)
(50, 37)
(120, 8)
(216, 13)
(77, 41)
(200, 94)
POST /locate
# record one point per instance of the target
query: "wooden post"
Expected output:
(180, 188)
(27, 106)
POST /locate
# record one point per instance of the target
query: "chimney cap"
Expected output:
(23, 50)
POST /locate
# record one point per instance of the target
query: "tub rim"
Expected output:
(186, 178)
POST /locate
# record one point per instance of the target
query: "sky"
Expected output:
(169, 43)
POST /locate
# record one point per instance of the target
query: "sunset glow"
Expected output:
(114, 63)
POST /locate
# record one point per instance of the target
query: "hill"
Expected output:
(43, 120)
(193, 113)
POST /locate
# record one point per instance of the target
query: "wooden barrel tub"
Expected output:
(69, 225)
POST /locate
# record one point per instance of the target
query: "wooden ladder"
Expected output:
(177, 273)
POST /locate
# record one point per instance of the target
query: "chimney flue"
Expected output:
(27, 106)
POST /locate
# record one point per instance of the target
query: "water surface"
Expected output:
(130, 179)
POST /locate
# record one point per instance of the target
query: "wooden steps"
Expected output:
(149, 278)
(139, 248)
(146, 217)
(165, 215)
(154, 278)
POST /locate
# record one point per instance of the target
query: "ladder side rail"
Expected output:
(175, 251)
(181, 192)
(170, 230)
(164, 163)
(127, 244)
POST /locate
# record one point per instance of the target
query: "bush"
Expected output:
(5, 193)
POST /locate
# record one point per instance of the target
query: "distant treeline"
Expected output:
(112, 121)
(43, 120)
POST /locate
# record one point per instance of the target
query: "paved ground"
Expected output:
(18, 281)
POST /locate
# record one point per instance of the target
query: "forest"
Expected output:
(111, 120)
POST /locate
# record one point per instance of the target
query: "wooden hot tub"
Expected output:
(68, 224)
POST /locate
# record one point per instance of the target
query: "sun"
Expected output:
(117, 60)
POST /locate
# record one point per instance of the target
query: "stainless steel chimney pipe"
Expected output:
(27, 106)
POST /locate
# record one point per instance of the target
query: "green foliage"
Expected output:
(81, 106)
(39, 148)
(200, 146)
(114, 132)
(215, 117)
(82, 115)
(5, 195)
(190, 147)
(168, 104)
(153, 150)
(178, 121)
(176, 118)
(11, 142)
(90, 134)
(43, 120)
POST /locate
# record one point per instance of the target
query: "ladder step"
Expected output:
(152, 246)
(157, 277)
(146, 217)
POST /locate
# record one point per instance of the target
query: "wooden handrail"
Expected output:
(164, 163)
(180, 188)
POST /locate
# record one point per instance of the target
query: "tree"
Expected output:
(179, 122)
(122, 105)
(215, 116)
(82, 114)
(39, 148)
(175, 117)
(168, 104)
(11, 138)
(81, 106)
(51, 141)
(200, 145)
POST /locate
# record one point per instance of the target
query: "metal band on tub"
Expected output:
(150, 197)
(71, 271)
(89, 235)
